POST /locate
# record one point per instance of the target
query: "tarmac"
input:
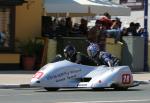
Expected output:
(17, 79)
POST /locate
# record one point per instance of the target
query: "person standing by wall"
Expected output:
(2, 38)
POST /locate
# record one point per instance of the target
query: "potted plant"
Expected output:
(32, 52)
(28, 54)
(39, 48)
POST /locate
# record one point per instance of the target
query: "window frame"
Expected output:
(11, 29)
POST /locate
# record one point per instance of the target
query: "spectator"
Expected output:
(106, 22)
(2, 39)
(75, 30)
(115, 30)
(116, 23)
(61, 29)
(124, 32)
(97, 34)
(94, 32)
(55, 26)
(141, 32)
(68, 26)
(137, 26)
(83, 27)
(107, 15)
(47, 26)
(131, 29)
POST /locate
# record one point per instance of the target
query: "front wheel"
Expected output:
(51, 89)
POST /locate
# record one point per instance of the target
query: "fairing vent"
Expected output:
(85, 79)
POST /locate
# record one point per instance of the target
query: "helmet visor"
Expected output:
(90, 54)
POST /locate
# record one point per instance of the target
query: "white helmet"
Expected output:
(92, 50)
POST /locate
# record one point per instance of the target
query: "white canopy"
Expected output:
(84, 7)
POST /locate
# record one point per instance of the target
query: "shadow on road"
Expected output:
(89, 90)
(17, 72)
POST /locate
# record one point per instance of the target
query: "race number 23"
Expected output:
(126, 78)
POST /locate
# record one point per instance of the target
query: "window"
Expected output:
(6, 37)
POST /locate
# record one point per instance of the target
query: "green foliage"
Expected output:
(31, 48)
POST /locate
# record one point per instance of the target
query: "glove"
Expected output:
(109, 63)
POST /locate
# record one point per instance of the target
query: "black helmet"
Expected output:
(69, 51)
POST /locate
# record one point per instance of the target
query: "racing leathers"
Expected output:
(57, 58)
(80, 58)
(105, 58)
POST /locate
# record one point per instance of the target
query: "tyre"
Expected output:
(118, 88)
(98, 89)
(121, 88)
(51, 89)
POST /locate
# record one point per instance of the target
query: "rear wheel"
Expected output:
(121, 88)
(116, 87)
(51, 89)
(98, 89)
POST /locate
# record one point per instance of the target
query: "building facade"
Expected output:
(19, 21)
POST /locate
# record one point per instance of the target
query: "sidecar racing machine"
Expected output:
(65, 74)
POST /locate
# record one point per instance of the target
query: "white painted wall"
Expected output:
(136, 16)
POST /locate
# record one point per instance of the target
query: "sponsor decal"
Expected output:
(82, 84)
(38, 75)
(63, 75)
(59, 80)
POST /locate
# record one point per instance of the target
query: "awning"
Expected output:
(11, 2)
(84, 7)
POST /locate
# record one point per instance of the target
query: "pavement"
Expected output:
(17, 79)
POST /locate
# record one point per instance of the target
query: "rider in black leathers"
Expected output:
(72, 55)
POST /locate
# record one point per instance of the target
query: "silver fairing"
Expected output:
(67, 74)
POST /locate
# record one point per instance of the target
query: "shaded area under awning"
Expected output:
(11, 2)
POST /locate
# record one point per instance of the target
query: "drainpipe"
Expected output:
(145, 35)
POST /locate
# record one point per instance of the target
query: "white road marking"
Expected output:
(117, 101)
